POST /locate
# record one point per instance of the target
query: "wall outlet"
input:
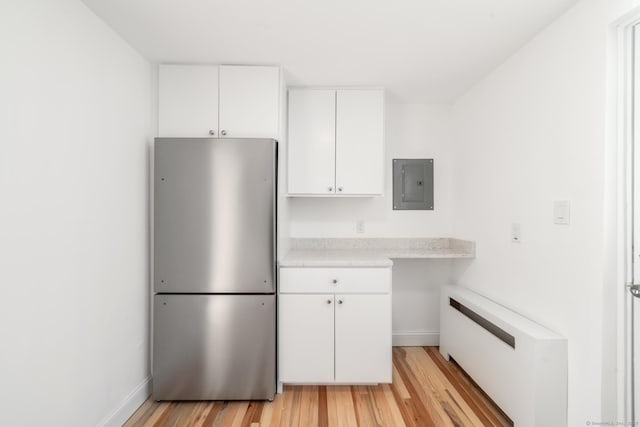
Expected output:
(516, 233)
(360, 226)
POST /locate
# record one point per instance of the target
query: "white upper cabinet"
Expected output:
(312, 128)
(227, 101)
(188, 100)
(360, 141)
(336, 142)
(249, 99)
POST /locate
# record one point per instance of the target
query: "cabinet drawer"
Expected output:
(335, 280)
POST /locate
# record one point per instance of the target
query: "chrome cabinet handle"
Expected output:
(328, 301)
(334, 281)
(340, 301)
(212, 132)
(223, 133)
(339, 188)
(330, 188)
(634, 289)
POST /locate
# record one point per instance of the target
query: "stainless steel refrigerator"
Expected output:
(214, 314)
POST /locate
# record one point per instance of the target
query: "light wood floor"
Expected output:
(427, 391)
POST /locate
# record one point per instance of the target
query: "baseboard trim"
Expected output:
(415, 338)
(128, 406)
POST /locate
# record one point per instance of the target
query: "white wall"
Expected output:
(617, 9)
(416, 299)
(75, 109)
(532, 132)
(412, 131)
(282, 201)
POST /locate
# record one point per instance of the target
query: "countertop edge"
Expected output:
(339, 256)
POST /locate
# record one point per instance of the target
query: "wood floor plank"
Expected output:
(486, 417)
(213, 412)
(267, 413)
(226, 416)
(429, 376)
(199, 414)
(398, 384)
(253, 414)
(323, 416)
(391, 415)
(474, 397)
(272, 412)
(163, 416)
(287, 409)
(428, 413)
(450, 394)
(455, 405)
(152, 414)
(309, 406)
(143, 412)
(427, 390)
(340, 406)
(365, 410)
(410, 413)
(240, 414)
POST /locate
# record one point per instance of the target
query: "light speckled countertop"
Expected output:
(377, 252)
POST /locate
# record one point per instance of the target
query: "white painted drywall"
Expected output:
(416, 299)
(75, 110)
(617, 9)
(282, 201)
(412, 131)
(530, 133)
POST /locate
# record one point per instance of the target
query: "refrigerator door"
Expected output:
(214, 215)
(214, 347)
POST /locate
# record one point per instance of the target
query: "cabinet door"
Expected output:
(312, 127)
(249, 100)
(306, 338)
(187, 100)
(360, 142)
(363, 339)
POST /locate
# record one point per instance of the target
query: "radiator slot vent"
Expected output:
(493, 329)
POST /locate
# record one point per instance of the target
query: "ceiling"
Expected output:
(424, 51)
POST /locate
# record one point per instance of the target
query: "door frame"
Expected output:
(620, 120)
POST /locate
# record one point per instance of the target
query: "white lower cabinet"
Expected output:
(363, 338)
(306, 338)
(335, 337)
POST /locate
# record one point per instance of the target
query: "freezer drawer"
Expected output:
(214, 215)
(214, 347)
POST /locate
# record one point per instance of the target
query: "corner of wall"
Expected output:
(129, 405)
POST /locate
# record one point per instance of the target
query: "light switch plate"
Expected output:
(562, 212)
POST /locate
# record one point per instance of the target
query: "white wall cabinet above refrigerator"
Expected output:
(230, 101)
(187, 100)
(336, 142)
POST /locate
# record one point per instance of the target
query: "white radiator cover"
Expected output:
(528, 382)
